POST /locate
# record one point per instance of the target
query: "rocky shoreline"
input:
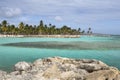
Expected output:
(59, 68)
(42, 36)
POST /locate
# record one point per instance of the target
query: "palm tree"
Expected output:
(41, 23)
(66, 30)
(4, 26)
(21, 27)
(79, 29)
(50, 25)
(12, 29)
(89, 31)
(41, 27)
(83, 31)
(53, 29)
(4, 23)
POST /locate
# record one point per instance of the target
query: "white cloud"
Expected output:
(23, 19)
(9, 12)
(80, 10)
(73, 11)
(58, 18)
(65, 7)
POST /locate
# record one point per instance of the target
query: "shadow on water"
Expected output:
(77, 45)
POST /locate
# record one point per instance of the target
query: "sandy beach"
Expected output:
(47, 36)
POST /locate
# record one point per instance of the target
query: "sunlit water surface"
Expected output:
(13, 50)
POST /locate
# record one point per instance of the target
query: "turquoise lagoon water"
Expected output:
(110, 54)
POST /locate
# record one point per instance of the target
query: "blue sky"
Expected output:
(103, 16)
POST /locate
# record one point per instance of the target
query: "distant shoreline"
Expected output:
(41, 36)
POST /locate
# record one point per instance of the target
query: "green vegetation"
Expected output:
(41, 29)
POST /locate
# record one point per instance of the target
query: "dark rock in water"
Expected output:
(58, 68)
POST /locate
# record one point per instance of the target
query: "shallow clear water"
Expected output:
(108, 52)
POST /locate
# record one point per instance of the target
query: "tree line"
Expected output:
(41, 29)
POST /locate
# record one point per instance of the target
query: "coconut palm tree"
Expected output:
(21, 28)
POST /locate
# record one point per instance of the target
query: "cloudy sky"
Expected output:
(103, 16)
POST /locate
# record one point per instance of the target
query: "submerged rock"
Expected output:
(58, 68)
